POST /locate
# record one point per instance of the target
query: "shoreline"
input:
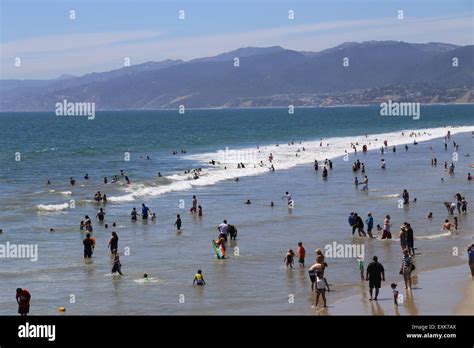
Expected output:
(248, 108)
(429, 296)
(466, 305)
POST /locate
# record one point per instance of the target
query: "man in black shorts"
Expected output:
(375, 274)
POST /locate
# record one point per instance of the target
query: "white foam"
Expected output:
(146, 280)
(283, 158)
(435, 236)
(52, 207)
(394, 195)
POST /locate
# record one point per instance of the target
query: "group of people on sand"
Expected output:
(375, 274)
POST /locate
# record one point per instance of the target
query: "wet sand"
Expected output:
(435, 292)
(466, 307)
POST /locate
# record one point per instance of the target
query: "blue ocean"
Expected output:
(42, 147)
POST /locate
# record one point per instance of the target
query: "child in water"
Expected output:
(301, 254)
(198, 278)
(199, 210)
(178, 222)
(395, 293)
(289, 258)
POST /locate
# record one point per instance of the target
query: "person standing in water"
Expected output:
(117, 266)
(386, 234)
(134, 214)
(470, 254)
(101, 214)
(199, 278)
(113, 243)
(177, 224)
(406, 197)
(407, 268)
(194, 205)
(223, 230)
(301, 254)
(288, 197)
(145, 211)
(23, 298)
(410, 239)
(366, 183)
(370, 224)
(289, 258)
(88, 246)
(199, 211)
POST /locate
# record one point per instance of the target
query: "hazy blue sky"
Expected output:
(106, 31)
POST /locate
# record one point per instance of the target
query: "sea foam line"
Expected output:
(284, 157)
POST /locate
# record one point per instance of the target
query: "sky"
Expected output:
(106, 32)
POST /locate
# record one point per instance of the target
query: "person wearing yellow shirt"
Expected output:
(198, 278)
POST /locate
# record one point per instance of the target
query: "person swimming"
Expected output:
(248, 202)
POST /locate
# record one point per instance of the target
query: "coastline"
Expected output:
(223, 107)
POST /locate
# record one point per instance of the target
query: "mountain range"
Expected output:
(374, 71)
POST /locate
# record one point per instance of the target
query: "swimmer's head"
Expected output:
(145, 275)
(393, 285)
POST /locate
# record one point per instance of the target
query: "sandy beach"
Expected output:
(434, 292)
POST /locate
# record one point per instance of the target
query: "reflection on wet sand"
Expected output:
(428, 296)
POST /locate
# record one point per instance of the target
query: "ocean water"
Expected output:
(254, 279)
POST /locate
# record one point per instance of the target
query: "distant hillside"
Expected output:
(271, 76)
